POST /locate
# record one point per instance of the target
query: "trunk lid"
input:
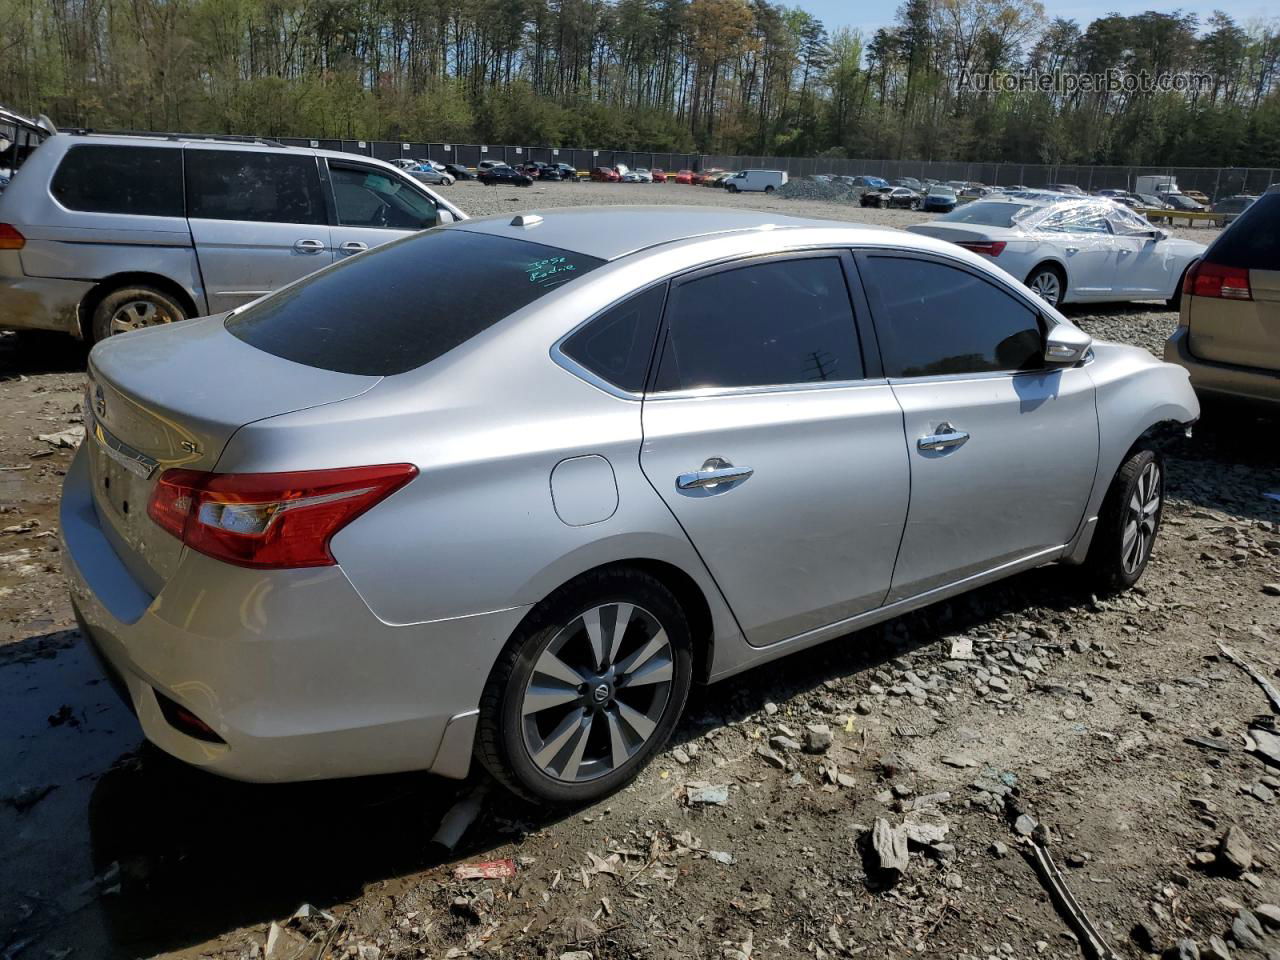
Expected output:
(173, 397)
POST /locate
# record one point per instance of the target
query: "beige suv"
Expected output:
(1228, 334)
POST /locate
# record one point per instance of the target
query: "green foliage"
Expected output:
(722, 76)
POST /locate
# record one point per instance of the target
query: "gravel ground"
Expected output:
(1116, 723)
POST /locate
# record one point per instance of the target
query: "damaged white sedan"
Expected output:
(1071, 250)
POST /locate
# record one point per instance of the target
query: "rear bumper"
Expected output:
(289, 668)
(39, 303)
(1223, 380)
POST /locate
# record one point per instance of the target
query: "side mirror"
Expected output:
(1157, 235)
(443, 216)
(1065, 345)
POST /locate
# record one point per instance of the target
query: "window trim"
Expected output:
(872, 371)
(1043, 319)
(331, 198)
(567, 362)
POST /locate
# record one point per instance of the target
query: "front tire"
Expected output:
(132, 308)
(1128, 524)
(587, 690)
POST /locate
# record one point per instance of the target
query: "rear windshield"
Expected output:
(405, 304)
(999, 214)
(1252, 242)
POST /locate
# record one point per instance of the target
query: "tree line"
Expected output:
(715, 76)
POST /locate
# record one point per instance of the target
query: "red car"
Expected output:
(702, 176)
(684, 176)
(605, 175)
(659, 176)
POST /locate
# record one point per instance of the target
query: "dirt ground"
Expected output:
(1115, 723)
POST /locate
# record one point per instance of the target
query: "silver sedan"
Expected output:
(395, 516)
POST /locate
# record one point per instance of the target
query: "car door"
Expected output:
(777, 447)
(372, 205)
(1002, 448)
(1081, 238)
(1145, 266)
(258, 219)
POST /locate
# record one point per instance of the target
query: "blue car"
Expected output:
(940, 199)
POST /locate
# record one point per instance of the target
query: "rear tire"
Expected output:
(1128, 524)
(583, 729)
(1048, 282)
(769, 189)
(132, 308)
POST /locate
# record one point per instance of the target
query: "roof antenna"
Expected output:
(525, 220)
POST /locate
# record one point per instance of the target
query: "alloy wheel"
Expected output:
(1142, 514)
(597, 692)
(1047, 285)
(136, 314)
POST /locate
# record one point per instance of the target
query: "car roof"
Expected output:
(614, 232)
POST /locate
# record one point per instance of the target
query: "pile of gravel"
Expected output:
(833, 192)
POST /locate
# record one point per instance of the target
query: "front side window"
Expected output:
(617, 345)
(934, 319)
(393, 309)
(769, 324)
(366, 197)
(105, 178)
(253, 186)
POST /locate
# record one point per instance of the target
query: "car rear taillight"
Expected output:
(992, 248)
(11, 238)
(1214, 280)
(269, 520)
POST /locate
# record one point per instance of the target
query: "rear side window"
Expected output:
(933, 319)
(104, 178)
(783, 322)
(253, 186)
(405, 303)
(617, 345)
(1252, 242)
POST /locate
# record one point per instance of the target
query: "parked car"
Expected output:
(484, 165)
(510, 176)
(762, 181)
(940, 198)
(717, 179)
(899, 197)
(1071, 250)
(702, 176)
(1070, 188)
(185, 227)
(432, 176)
(684, 176)
(1182, 203)
(643, 174)
(1120, 196)
(567, 172)
(1152, 202)
(377, 579)
(866, 182)
(406, 163)
(1230, 310)
(1230, 208)
(605, 175)
(631, 176)
(458, 171)
(911, 183)
(659, 176)
(1198, 197)
(974, 191)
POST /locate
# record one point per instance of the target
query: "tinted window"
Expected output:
(784, 322)
(394, 309)
(367, 197)
(995, 213)
(102, 178)
(934, 319)
(259, 187)
(1252, 242)
(617, 345)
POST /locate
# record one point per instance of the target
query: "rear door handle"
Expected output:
(946, 438)
(308, 246)
(353, 246)
(713, 473)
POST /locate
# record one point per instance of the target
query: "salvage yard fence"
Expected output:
(1214, 182)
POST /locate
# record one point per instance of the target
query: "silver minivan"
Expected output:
(104, 234)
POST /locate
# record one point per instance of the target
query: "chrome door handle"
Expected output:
(1125, 253)
(713, 473)
(1073, 249)
(353, 246)
(946, 438)
(308, 246)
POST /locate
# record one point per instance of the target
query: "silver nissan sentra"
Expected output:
(507, 487)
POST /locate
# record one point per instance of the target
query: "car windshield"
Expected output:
(939, 191)
(389, 311)
(989, 213)
(1178, 200)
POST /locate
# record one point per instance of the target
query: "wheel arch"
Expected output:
(108, 285)
(1061, 269)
